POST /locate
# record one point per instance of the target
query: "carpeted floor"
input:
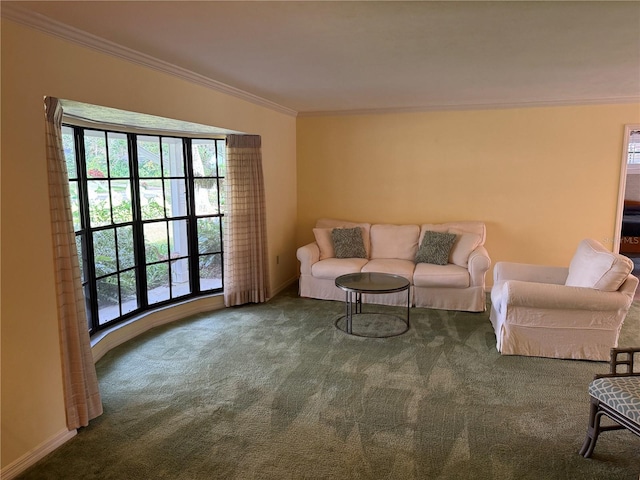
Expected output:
(275, 391)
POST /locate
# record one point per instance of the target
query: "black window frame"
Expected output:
(194, 257)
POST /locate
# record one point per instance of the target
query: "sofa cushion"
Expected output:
(430, 275)
(332, 268)
(463, 246)
(332, 223)
(347, 243)
(394, 241)
(325, 244)
(435, 247)
(404, 268)
(593, 266)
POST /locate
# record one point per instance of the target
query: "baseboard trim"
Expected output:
(284, 285)
(18, 466)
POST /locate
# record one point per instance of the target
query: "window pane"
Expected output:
(158, 282)
(178, 237)
(149, 157)
(88, 302)
(204, 158)
(175, 194)
(210, 272)
(79, 240)
(209, 235)
(99, 202)
(75, 205)
(104, 252)
(118, 155)
(121, 198)
(69, 148)
(206, 192)
(223, 195)
(155, 242)
(180, 278)
(95, 149)
(152, 199)
(108, 299)
(126, 256)
(222, 158)
(634, 148)
(128, 286)
(172, 157)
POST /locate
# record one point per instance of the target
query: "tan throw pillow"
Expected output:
(465, 244)
(325, 244)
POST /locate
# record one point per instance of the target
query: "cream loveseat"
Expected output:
(457, 285)
(559, 312)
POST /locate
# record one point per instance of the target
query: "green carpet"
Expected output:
(275, 391)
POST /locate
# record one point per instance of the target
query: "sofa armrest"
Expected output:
(561, 297)
(308, 255)
(478, 265)
(529, 273)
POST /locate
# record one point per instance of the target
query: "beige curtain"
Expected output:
(82, 396)
(246, 275)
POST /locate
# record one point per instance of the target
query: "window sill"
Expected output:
(103, 341)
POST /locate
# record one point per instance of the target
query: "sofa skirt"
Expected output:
(585, 336)
(470, 299)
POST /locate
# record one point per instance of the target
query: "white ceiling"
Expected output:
(356, 56)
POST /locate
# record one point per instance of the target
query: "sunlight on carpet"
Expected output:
(275, 391)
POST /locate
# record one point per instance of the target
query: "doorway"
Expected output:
(628, 241)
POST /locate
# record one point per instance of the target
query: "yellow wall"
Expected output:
(35, 65)
(541, 178)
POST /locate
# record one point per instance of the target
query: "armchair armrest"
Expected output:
(529, 273)
(561, 297)
(308, 255)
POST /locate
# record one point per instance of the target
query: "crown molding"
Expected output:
(80, 37)
(472, 106)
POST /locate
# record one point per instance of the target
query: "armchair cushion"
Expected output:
(594, 267)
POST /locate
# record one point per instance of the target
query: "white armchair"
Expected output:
(575, 312)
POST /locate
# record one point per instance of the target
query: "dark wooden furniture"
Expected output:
(616, 395)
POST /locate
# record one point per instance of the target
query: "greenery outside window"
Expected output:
(148, 215)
